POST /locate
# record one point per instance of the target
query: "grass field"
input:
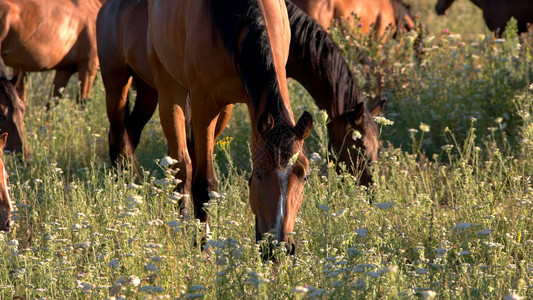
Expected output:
(448, 217)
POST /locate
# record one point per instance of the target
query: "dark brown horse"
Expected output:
(42, 35)
(498, 13)
(121, 35)
(373, 14)
(12, 110)
(314, 60)
(220, 54)
(6, 207)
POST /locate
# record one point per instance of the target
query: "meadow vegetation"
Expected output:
(449, 215)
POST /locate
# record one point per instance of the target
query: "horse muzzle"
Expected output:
(6, 223)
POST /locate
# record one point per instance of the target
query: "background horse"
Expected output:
(121, 35)
(42, 35)
(373, 14)
(220, 54)
(314, 60)
(317, 63)
(498, 13)
(12, 110)
(6, 207)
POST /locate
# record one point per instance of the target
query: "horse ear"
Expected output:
(265, 123)
(356, 115)
(304, 125)
(376, 111)
(3, 140)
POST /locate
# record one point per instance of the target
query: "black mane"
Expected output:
(254, 59)
(317, 63)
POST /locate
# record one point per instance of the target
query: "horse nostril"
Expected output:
(291, 249)
(8, 224)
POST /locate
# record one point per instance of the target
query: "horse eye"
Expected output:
(258, 174)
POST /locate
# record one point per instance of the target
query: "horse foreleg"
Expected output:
(61, 79)
(173, 123)
(204, 123)
(223, 120)
(116, 91)
(144, 108)
(86, 75)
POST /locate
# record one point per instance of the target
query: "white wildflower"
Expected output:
(323, 207)
(133, 186)
(361, 232)
(134, 200)
(385, 205)
(114, 263)
(513, 297)
(322, 117)
(317, 293)
(155, 222)
(424, 127)
(13, 243)
(315, 157)
(356, 135)
(164, 181)
(299, 290)
(150, 267)
(421, 271)
(427, 294)
(173, 223)
(214, 195)
(383, 121)
(167, 161)
(461, 226)
(485, 231)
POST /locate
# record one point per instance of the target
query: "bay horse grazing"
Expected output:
(121, 37)
(219, 54)
(12, 110)
(6, 207)
(317, 63)
(498, 13)
(373, 14)
(314, 60)
(42, 35)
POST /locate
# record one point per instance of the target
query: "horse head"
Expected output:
(354, 139)
(280, 171)
(6, 208)
(12, 110)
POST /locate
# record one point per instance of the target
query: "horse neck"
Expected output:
(261, 67)
(316, 62)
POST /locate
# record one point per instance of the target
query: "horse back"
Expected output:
(46, 34)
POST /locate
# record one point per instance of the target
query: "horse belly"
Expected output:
(45, 48)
